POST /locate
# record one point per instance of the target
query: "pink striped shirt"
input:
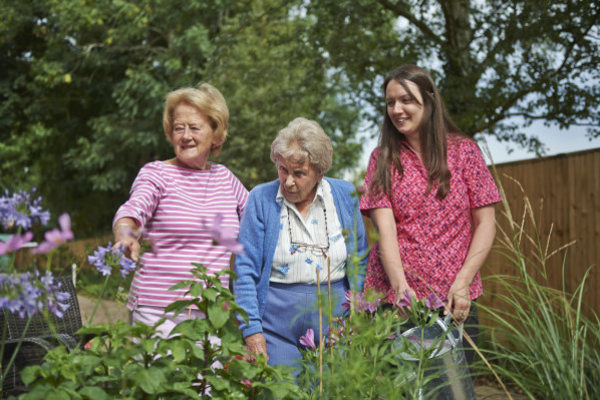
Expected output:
(175, 206)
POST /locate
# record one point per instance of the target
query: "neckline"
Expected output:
(209, 165)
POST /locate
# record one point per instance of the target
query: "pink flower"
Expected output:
(15, 242)
(56, 237)
(346, 305)
(433, 302)
(225, 236)
(406, 300)
(308, 340)
(246, 382)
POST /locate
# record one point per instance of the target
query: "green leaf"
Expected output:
(150, 380)
(95, 393)
(217, 316)
(178, 350)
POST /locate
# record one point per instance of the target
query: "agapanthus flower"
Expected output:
(225, 236)
(56, 237)
(308, 339)
(433, 302)
(105, 258)
(18, 210)
(15, 242)
(28, 294)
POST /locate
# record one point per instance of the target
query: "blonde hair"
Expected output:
(208, 100)
(304, 138)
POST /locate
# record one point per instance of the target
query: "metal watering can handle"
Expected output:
(445, 324)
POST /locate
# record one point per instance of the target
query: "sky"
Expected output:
(557, 142)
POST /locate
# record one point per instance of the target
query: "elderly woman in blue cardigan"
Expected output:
(298, 232)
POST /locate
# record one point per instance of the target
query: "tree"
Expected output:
(497, 63)
(270, 74)
(84, 85)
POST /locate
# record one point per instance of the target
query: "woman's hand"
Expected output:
(459, 301)
(256, 344)
(125, 231)
(389, 252)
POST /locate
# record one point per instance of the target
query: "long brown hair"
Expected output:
(435, 126)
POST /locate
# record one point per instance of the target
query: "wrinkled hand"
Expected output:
(130, 244)
(459, 302)
(256, 344)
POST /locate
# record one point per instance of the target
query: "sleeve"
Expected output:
(248, 266)
(144, 197)
(371, 199)
(481, 188)
(362, 245)
(240, 193)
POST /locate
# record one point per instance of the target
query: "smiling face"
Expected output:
(192, 136)
(404, 110)
(298, 181)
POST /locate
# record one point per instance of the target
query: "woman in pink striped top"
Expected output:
(175, 203)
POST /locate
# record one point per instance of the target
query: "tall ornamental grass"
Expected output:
(541, 342)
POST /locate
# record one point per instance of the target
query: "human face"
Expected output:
(298, 181)
(405, 111)
(192, 136)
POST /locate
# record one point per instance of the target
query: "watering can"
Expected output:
(447, 372)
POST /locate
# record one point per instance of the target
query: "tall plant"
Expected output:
(541, 340)
(201, 357)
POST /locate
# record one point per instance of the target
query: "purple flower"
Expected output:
(359, 302)
(308, 340)
(56, 237)
(104, 258)
(433, 302)
(406, 300)
(346, 305)
(225, 236)
(15, 242)
(17, 210)
(27, 294)
(127, 265)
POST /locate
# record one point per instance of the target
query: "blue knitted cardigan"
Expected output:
(259, 233)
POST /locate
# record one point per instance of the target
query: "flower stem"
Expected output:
(49, 260)
(99, 299)
(320, 332)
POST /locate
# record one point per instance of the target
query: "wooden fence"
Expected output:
(564, 194)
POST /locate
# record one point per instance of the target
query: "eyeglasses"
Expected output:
(301, 247)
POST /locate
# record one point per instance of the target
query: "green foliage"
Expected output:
(541, 340)
(493, 60)
(133, 362)
(83, 86)
(384, 354)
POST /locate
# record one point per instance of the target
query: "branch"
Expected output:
(550, 117)
(401, 11)
(521, 93)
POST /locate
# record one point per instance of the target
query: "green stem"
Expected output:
(99, 300)
(49, 260)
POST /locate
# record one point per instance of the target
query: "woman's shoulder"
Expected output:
(461, 146)
(266, 188)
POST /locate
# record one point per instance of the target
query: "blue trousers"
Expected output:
(291, 309)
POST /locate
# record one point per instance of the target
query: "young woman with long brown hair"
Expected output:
(430, 196)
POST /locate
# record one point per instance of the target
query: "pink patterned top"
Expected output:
(433, 235)
(175, 206)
